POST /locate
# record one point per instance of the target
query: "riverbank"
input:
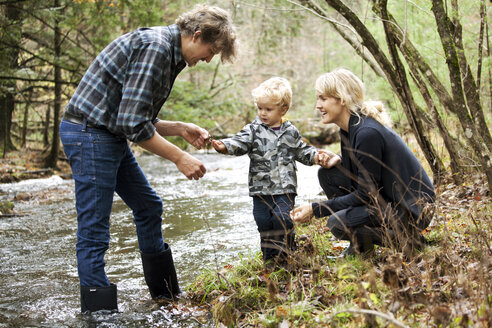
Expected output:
(448, 283)
(18, 165)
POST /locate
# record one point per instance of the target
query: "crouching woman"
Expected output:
(377, 190)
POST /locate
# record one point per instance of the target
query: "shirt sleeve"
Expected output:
(241, 143)
(305, 153)
(143, 77)
(367, 157)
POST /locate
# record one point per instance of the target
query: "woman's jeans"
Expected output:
(355, 224)
(103, 163)
(272, 216)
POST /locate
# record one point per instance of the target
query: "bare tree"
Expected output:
(52, 158)
(463, 101)
(10, 32)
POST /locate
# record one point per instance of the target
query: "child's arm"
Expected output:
(219, 147)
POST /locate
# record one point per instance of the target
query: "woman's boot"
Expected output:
(160, 274)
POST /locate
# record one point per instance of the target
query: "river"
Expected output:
(207, 223)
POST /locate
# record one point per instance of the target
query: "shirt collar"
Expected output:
(176, 42)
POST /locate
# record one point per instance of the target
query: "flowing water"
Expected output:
(208, 224)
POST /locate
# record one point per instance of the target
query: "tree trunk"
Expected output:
(52, 158)
(46, 131)
(9, 56)
(396, 83)
(24, 125)
(419, 70)
(479, 145)
(470, 88)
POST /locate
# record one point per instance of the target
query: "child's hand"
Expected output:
(219, 146)
(326, 158)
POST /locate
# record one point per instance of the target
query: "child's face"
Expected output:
(270, 113)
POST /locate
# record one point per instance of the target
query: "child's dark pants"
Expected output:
(272, 216)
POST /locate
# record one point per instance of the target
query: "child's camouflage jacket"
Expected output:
(272, 169)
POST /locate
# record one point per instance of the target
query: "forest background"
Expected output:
(406, 52)
(427, 60)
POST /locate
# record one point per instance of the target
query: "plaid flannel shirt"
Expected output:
(129, 81)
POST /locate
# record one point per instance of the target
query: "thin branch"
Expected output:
(480, 43)
(17, 78)
(265, 8)
(354, 42)
(324, 16)
(11, 2)
(46, 60)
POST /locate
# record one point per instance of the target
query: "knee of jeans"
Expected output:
(327, 174)
(336, 227)
(152, 208)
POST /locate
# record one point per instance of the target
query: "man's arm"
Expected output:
(191, 167)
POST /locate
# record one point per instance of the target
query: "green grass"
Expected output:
(446, 284)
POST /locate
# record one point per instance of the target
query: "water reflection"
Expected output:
(206, 222)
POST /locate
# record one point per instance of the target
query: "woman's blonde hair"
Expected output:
(216, 28)
(275, 89)
(344, 85)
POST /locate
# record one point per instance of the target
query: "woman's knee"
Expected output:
(337, 227)
(332, 181)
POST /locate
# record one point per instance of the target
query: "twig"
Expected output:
(379, 314)
(36, 171)
(481, 235)
(220, 275)
(11, 215)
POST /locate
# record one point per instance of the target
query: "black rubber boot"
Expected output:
(98, 298)
(160, 275)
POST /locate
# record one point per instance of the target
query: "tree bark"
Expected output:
(411, 110)
(10, 63)
(394, 78)
(46, 139)
(52, 158)
(445, 28)
(472, 94)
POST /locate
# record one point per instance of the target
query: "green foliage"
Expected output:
(191, 103)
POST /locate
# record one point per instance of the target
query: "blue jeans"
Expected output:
(103, 163)
(272, 216)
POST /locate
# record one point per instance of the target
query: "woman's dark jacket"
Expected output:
(382, 170)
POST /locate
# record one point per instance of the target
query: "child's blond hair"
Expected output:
(275, 89)
(344, 85)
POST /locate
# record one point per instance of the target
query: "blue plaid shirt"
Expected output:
(129, 81)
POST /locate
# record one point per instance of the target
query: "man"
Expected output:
(118, 99)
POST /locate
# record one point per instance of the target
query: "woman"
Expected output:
(377, 189)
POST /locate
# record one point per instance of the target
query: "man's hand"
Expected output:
(326, 158)
(219, 146)
(191, 167)
(302, 214)
(195, 135)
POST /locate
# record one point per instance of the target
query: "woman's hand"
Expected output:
(326, 158)
(219, 146)
(302, 214)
